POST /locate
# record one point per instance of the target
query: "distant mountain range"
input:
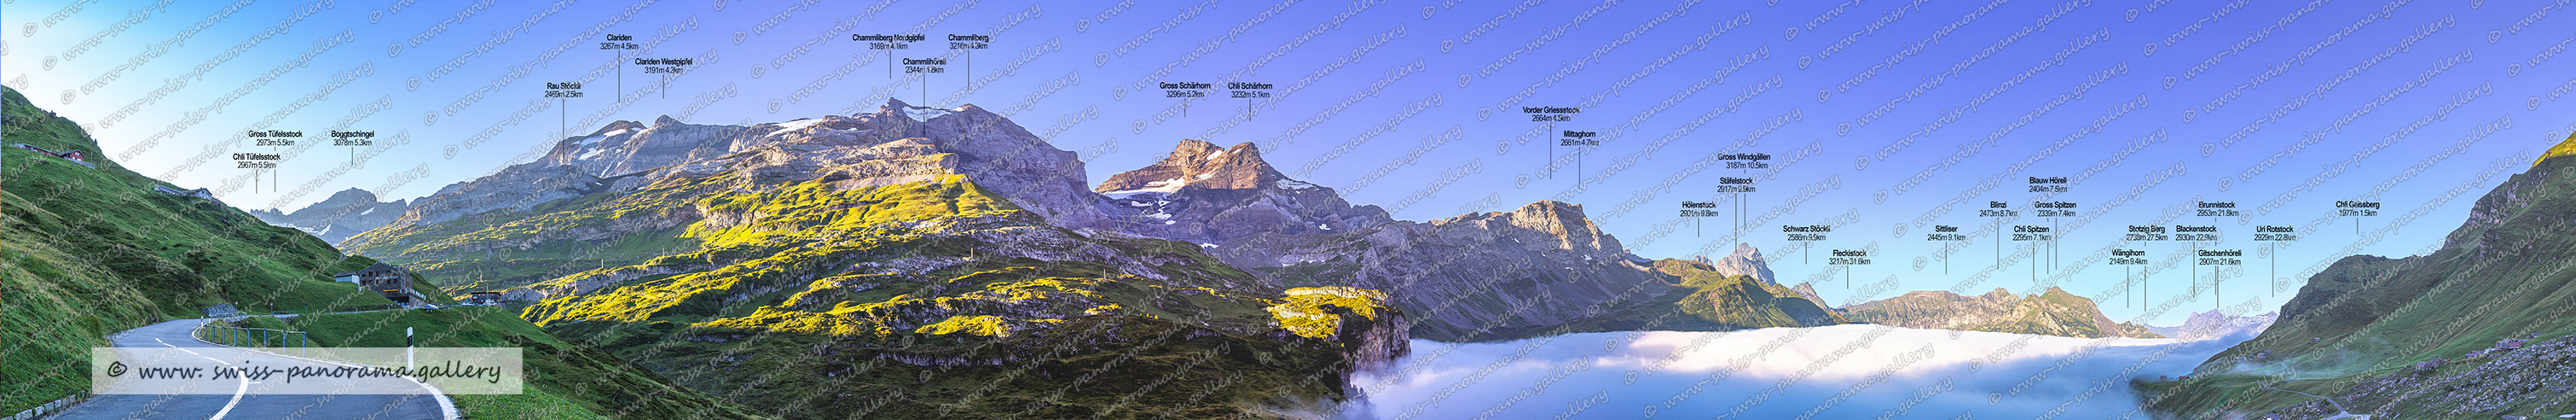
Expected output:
(2052, 312)
(334, 219)
(2212, 324)
(953, 240)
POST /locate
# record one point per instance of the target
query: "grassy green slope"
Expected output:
(567, 381)
(882, 302)
(2504, 274)
(1742, 302)
(463, 251)
(86, 252)
(94, 251)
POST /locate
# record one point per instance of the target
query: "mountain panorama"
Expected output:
(1543, 268)
(935, 263)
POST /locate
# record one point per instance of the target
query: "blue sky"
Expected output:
(1882, 119)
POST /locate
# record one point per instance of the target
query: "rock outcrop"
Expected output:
(1746, 261)
(334, 219)
(1204, 194)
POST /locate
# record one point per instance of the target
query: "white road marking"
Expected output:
(185, 349)
(237, 394)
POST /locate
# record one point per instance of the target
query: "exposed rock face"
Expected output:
(515, 188)
(1540, 269)
(1373, 345)
(1485, 276)
(1205, 194)
(898, 143)
(2211, 324)
(1747, 261)
(2053, 312)
(345, 214)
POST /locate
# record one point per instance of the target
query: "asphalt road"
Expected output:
(239, 405)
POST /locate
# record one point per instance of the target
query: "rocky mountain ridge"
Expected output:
(344, 214)
(1542, 268)
(2212, 324)
(904, 242)
(1204, 194)
(2051, 312)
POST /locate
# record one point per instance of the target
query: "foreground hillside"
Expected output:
(2359, 328)
(92, 251)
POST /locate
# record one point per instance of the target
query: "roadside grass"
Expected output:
(565, 380)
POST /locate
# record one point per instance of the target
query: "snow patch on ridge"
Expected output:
(1167, 186)
(799, 124)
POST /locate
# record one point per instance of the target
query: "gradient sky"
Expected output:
(1882, 118)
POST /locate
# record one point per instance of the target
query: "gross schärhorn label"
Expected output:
(305, 371)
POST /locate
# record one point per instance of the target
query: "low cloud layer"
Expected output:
(1836, 372)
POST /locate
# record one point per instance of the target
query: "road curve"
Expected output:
(215, 407)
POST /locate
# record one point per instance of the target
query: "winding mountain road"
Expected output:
(242, 404)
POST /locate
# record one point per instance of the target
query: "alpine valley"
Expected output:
(944, 263)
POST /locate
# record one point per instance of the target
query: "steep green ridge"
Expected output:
(2051, 312)
(1740, 301)
(2563, 148)
(929, 299)
(94, 251)
(507, 248)
(90, 252)
(566, 381)
(2356, 328)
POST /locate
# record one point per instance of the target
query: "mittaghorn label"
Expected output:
(305, 371)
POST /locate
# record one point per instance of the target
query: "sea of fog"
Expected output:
(1837, 372)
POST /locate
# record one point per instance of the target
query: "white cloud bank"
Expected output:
(1836, 372)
